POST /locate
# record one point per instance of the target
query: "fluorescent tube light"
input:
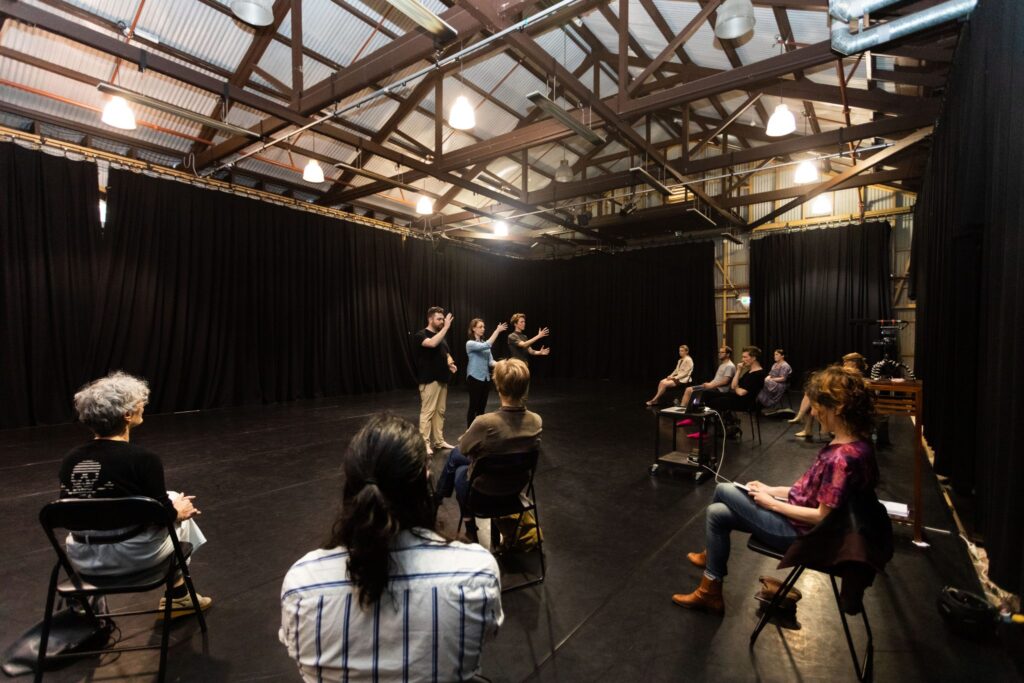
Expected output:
(549, 106)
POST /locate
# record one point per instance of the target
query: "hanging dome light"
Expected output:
(501, 229)
(118, 114)
(822, 204)
(313, 173)
(564, 174)
(254, 12)
(806, 172)
(735, 18)
(462, 116)
(781, 123)
(425, 206)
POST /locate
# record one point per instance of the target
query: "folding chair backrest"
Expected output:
(497, 481)
(100, 514)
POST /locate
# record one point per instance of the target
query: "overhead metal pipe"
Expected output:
(848, 10)
(848, 43)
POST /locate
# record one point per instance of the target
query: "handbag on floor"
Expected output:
(529, 531)
(70, 630)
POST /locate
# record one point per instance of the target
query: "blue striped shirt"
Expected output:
(442, 602)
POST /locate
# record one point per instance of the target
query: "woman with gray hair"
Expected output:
(111, 467)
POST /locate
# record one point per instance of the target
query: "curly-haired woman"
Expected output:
(777, 515)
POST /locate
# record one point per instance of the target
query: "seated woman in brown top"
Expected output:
(681, 376)
(510, 429)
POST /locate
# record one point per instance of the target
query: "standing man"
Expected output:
(434, 366)
(520, 346)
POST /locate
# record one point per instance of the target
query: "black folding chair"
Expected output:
(88, 516)
(862, 511)
(502, 486)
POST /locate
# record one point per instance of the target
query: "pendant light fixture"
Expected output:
(425, 205)
(781, 123)
(254, 12)
(563, 174)
(501, 229)
(461, 116)
(313, 173)
(735, 18)
(806, 172)
(118, 114)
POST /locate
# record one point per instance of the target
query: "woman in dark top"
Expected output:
(776, 515)
(111, 467)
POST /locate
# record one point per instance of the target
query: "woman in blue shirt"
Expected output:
(478, 370)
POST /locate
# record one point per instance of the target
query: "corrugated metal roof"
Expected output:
(323, 22)
(197, 29)
(603, 31)
(83, 104)
(760, 43)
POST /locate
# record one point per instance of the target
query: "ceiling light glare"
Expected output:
(781, 123)
(822, 205)
(118, 114)
(313, 173)
(806, 172)
(462, 116)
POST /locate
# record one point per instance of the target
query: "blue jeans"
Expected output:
(454, 476)
(732, 509)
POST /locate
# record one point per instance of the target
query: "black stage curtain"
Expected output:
(221, 300)
(49, 232)
(968, 281)
(810, 292)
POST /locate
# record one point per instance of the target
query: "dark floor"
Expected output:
(267, 482)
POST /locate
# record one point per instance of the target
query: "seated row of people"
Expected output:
(386, 593)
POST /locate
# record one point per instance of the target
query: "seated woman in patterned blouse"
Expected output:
(777, 515)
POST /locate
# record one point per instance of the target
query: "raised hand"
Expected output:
(448, 320)
(543, 351)
(543, 332)
(501, 327)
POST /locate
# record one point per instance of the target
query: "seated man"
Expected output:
(723, 376)
(746, 385)
(510, 429)
(109, 466)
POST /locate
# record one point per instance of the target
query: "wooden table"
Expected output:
(905, 398)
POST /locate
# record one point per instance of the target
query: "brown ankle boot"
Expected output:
(707, 597)
(698, 559)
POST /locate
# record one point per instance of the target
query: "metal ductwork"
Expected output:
(848, 10)
(847, 43)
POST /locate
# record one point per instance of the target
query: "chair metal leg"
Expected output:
(44, 635)
(865, 669)
(769, 610)
(195, 598)
(165, 635)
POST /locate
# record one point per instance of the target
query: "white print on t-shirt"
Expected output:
(84, 477)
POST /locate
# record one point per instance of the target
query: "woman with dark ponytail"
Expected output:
(387, 597)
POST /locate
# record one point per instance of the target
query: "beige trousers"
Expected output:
(433, 398)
